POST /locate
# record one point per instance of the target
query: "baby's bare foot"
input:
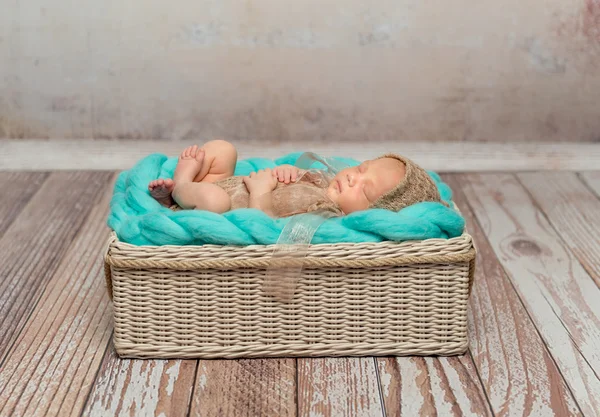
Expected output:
(161, 190)
(189, 164)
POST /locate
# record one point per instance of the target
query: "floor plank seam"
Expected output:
(193, 390)
(379, 387)
(587, 184)
(575, 345)
(485, 393)
(296, 393)
(93, 384)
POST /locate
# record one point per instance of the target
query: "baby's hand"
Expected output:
(261, 182)
(286, 173)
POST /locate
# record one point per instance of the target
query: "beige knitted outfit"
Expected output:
(307, 194)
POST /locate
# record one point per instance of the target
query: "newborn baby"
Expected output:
(204, 180)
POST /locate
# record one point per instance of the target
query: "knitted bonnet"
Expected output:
(415, 187)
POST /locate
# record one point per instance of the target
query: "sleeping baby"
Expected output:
(204, 180)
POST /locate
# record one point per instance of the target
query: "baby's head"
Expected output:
(391, 182)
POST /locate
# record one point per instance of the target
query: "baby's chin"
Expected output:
(332, 193)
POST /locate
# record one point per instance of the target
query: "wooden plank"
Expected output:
(517, 370)
(246, 387)
(559, 295)
(592, 179)
(135, 387)
(78, 154)
(51, 369)
(17, 189)
(426, 386)
(573, 210)
(32, 246)
(338, 386)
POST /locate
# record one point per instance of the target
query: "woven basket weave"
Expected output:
(365, 299)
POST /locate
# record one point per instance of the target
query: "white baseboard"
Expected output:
(87, 154)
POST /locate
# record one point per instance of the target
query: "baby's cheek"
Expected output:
(358, 196)
(352, 201)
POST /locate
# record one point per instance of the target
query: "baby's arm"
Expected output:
(286, 173)
(260, 186)
(262, 202)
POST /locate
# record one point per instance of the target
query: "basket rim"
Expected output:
(355, 255)
(120, 245)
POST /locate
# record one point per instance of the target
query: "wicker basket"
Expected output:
(365, 299)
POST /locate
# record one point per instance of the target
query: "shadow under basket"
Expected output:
(367, 299)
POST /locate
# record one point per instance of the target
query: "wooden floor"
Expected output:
(534, 317)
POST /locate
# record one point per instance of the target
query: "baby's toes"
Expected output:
(200, 155)
(169, 184)
(186, 153)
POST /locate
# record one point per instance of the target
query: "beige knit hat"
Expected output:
(415, 187)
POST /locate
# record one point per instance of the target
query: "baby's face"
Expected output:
(356, 188)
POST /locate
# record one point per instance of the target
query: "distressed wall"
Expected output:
(508, 70)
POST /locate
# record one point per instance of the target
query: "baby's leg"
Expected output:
(197, 195)
(215, 161)
(188, 166)
(202, 196)
(219, 161)
(191, 162)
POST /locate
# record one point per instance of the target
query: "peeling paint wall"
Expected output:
(509, 70)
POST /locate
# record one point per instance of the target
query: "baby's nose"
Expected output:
(350, 180)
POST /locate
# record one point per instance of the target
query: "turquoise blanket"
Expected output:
(140, 220)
